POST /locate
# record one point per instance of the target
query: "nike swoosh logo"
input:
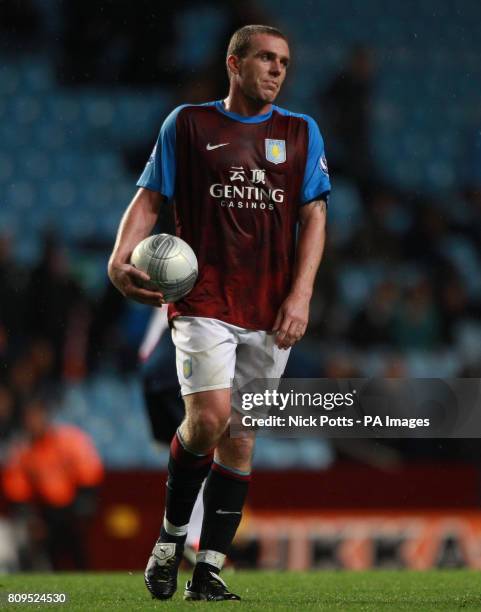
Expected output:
(225, 512)
(210, 147)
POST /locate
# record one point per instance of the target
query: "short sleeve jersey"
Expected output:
(237, 183)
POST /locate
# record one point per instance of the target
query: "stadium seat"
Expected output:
(345, 212)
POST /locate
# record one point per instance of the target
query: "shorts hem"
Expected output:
(206, 388)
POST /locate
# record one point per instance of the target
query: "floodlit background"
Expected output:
(84, 88)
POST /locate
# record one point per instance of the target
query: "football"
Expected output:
(170, 263)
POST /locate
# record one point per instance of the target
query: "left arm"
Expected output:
(293, 316)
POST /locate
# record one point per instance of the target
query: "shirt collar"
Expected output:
(219, 104)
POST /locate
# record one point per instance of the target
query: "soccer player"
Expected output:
(247, 178)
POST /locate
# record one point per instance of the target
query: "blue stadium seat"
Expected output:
(36, 75)
(356, 283)
(9, 79)
(345, 212)
(195, 51)
(468, 341)
(7, 167)
(314, 453)
(429, 365)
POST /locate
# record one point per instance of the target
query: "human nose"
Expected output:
(275, 67)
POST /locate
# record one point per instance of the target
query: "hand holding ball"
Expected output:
(170, 263)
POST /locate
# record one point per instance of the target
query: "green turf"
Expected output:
(371, 591)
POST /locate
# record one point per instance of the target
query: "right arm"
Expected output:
(136, 224)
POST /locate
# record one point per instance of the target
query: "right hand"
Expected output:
(128, 280)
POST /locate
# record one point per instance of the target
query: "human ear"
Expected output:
(233, 64)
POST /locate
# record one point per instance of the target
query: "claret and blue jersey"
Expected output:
(237, 183)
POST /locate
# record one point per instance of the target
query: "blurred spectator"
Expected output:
(395, 367)
(22, 377)
(429, 230)
(31, 369)
(417, 322)
(118, 42)
(103, 332)
(372, 325)
(340, 365)
(346, 105)
(381, 238)
(8, 419)
(209, 81)
(51, 478)
(160, 386)
(13, 281)
(54, 301)
(115, 333)
(454, 304)
(19, 24)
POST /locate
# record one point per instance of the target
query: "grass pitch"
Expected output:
(371, 591)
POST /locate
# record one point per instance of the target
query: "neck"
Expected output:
(247, 107)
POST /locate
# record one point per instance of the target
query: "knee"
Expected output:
(203, 428)
(236, 452)
(209, 423)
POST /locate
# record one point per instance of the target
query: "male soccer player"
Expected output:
(243, 174)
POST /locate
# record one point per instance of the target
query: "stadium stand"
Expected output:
(62, 154)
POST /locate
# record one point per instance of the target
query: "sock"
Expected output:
(225, 492)
(186, 472)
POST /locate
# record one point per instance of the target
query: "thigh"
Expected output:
(258, 356)
(259, 365)
(205, 354)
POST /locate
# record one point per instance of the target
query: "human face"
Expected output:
(262, 71)
(35, 419)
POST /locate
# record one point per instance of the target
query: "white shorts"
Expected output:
(211, 353)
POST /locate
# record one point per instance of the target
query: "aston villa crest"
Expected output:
(187, 367)
(275, 151)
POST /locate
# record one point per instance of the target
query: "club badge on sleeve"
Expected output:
(323, 165)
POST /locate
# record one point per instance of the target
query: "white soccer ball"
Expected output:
(170, 263)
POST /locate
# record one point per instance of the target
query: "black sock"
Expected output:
(225, 492)
(186, 473)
